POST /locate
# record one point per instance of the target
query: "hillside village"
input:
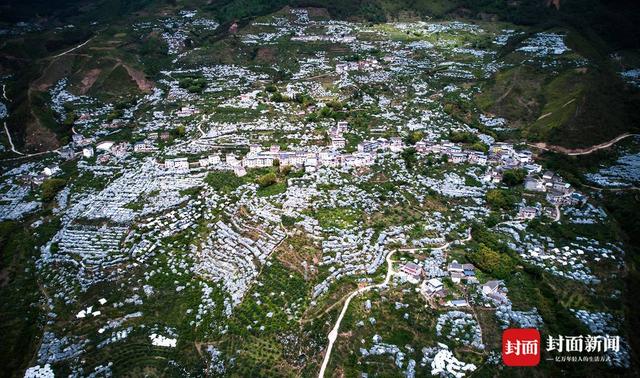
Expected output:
(220, 219)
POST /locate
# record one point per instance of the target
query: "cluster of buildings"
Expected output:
(309, 160)
(433, 286)
(558, 192)
(455, 153)
(84, 146)
(369, 64)
(312, 159)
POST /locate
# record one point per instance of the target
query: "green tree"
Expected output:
(267, 180)
(479, 146)
(463, 137)
(414, 137)
(277, 97)
(499, 265)
(287, 221)
(409, 156)
(180, 131)
(51, 187)
(223, 181)
(500, 199)
(513, 177)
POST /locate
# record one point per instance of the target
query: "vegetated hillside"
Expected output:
(614, 20)
(571, 109)
(567, 106)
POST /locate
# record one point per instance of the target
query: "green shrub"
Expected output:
(499, 265)
(287, 221)
(223, 181)
(500, 199)
(513, 177)
(51, 187)
(267, 180)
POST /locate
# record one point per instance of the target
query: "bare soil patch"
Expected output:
(143, 83)
(266, 55)
(88, 80)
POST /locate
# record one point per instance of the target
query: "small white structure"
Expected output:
(50, 171)
(396, 144)
(214, 159)
(144, 146)
(338, 142)
(87, 152)
(177, 164)
(527, 213)
(159, 340)
(434, 285)
(491, 287)
(458, 158)
(104, 146)
(232, 160)
(239, 171)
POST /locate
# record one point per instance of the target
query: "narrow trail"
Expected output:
(623, 189)
(581, 151)
(25, 156)
(6, 129)
(13, 147)
(73, 48)
(333, 335)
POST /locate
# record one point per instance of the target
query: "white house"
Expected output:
(459, 157)
(239, 171)
(50, 171)
(527, 213)
(214, 159)
(255, 148)
(396, 144)
(338, 142)
(534, 185)
(144, 146)
(232, 160)
(87, 152)
(491, 287)
(412, 270)
(434, 285)
(177, 164)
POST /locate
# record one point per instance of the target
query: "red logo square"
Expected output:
(521, 347)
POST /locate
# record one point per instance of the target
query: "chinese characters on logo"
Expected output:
(587, 343)
(522, 347)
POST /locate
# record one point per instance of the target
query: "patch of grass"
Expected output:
(338, 217)
(273, 189)
(563, 95)
(223, 181)
(514, 94)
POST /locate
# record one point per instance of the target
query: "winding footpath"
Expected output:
(6, 129)
(72, 49)
(333, 335)
(4, 94)
(581, 151)
(13, 148)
